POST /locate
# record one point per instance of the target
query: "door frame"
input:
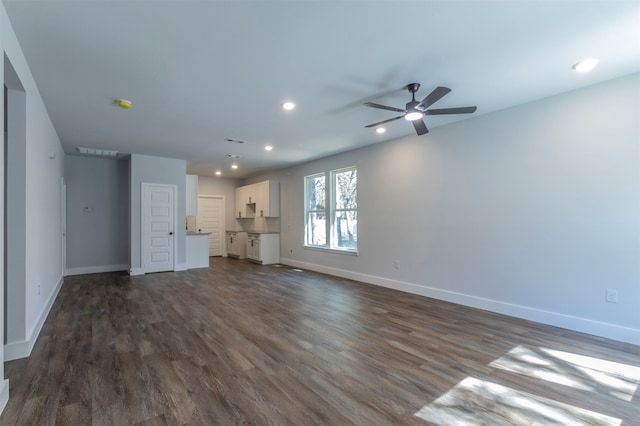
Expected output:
(143, 223)
(64, 225)
(223, 223)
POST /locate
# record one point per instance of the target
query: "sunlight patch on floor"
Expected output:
(569, 369)
(474, 401)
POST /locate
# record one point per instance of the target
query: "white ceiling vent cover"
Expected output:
(99, 152)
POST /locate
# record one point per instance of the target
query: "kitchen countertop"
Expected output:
(198, 233)
(257, 232)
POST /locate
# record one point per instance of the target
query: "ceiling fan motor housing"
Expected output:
(413, 87)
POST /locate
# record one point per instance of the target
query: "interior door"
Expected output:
(211, 219)
(158, 227)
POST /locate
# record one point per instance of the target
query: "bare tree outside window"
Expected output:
(316, 220)
(345, 221)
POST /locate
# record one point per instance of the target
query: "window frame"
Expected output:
(334, 210)
(330, 211)
(308, 211)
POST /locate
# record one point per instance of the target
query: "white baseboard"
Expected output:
(22, 349)
(180, 267)
(584, 325)
(4, 394)
(136, 271)
(96, 269)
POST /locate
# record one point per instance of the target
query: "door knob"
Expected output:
(170, 233)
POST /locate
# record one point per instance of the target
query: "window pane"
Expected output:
(346, 189)
(316, 193)
(346, 230)
(316, 229)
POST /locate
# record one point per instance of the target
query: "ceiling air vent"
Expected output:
(233, 140)
(98, 152)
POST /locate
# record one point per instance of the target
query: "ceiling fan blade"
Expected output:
(462, 110)
(374, 105)
(385, 121)
(421, 128)
(433, 97)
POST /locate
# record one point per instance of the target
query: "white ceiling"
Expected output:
(198, 72)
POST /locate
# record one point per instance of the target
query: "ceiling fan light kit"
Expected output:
(413, 115)
(414, 111)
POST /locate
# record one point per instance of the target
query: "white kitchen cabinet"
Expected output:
(267, 199)
(258, 200)
(192, 195)
(237, 244)
(241, 202)
(263, 248)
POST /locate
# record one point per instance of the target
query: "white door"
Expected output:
(211, 219)
(158, 226)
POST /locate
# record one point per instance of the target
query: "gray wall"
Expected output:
(43, 167)
(533, 211)
(146, 169)
(16, 209)
(208, 185)
(97, 241)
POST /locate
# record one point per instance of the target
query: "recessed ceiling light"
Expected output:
(288, 105)
(234, 166)
(586, 65)
(268, 148)
(218, 172)
(380, 130)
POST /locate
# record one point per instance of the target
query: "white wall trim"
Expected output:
(4, 394)
(95, 269)
(136, 271)
(22, 349)
(180, 267)
(584, 325)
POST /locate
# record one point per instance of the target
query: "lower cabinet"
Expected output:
(237, 244)
(263, 248)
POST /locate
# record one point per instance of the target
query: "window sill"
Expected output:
(332, 250)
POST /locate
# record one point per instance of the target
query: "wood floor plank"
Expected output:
(244, 344)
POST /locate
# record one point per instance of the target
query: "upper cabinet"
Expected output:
(267, 199)
(192, 195)
(242, 203)
(258, 200)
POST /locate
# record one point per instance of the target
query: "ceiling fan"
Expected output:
(414, 110)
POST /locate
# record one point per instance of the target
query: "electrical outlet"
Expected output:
(612, 296)
(396, 264)
(38, 289)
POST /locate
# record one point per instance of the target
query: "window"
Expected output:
(340, 231)
(316, 214)
(344, 219)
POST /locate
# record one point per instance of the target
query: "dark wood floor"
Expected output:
(245, 344)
